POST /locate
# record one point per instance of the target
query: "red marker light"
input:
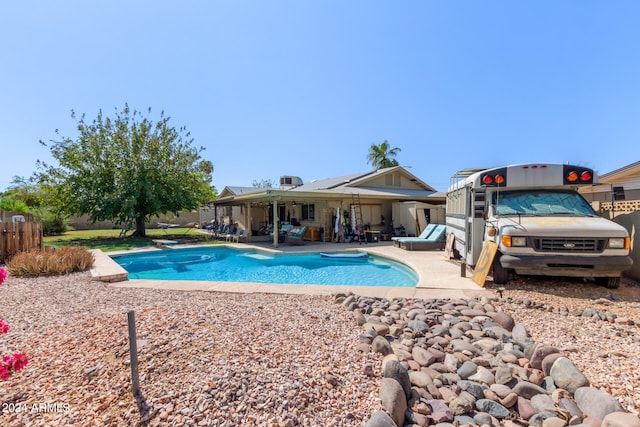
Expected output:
(487, 179)
(585, 176)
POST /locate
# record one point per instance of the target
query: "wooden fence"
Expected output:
(18, 237)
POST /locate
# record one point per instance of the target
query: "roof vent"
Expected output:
(290, 181)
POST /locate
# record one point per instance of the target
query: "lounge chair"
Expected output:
(435, 241)
(165, 225)
(233, 230)
(425, 233)
(221, 231)
(295, 236)
(242, 234)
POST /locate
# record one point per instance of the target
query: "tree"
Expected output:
(14, 205)
(38, 202)
(27, 191)
(381, 156)
(126, 169)
(264, 183)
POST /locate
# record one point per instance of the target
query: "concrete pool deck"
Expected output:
(437, 277)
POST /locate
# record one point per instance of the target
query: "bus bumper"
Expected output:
(570, 266)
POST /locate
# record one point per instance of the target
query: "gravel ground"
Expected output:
(214, 359)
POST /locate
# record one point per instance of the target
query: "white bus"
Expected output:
(539, 221)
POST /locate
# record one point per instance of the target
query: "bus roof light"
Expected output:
(585, 176)
(572, 176)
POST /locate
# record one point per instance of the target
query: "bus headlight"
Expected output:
(518, 241)
(619, 243)
(512, 241)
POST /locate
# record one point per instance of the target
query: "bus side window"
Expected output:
(479, 204)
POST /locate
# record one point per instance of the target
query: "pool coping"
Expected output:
(437, 277)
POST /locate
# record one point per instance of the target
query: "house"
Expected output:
(617, 192)
(377, 199)
(617, 197)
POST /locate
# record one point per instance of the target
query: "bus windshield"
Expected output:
(541, 202)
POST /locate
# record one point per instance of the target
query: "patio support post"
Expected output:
(275, 223)
(249, 222)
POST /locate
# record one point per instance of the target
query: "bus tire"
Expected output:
(500, 274)
(608, 282)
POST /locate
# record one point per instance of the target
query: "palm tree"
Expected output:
(380, 156)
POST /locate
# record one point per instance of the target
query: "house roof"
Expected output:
(629, 171)
(359, 180)
(234, 191)
(338, 188)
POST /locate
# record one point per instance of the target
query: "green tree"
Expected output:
(263, 183)
(27, 191)
(381, 155)
(127, 168)
(8, 203)
(38, 202)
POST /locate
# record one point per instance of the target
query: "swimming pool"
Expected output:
(224, 264)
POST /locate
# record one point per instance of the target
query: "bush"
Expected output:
(65, 260)
(53, 224)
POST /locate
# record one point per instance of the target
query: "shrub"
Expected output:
(65, 260)
(53, 224)
(9, 363)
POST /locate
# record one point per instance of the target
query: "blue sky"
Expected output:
(303, 88)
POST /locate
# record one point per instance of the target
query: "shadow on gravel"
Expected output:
(569, 287)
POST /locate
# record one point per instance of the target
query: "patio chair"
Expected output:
(242, 234)
(233, 230)
(221, 231)
(425, 233)
(295, 236)
(435, 241)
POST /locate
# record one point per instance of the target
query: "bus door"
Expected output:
(475, 224)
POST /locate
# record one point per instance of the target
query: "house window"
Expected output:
(309, 212)
(618, 193)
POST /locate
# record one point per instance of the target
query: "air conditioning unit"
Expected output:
(290, 181)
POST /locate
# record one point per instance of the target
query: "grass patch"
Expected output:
(108, 240)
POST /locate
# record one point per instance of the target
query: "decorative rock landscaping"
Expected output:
(463, 362)
(269, 360)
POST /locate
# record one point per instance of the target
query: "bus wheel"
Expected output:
(608, 282)
(500, 274)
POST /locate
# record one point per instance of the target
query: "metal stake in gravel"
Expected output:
(143, 408)
(133, 354)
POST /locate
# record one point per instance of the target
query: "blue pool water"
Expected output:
(223, 264)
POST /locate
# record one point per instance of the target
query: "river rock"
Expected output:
(393, 400)
(539, 353)
(467, 369)
(595, 403)
(493, 408)
(504, 320)
(422, 356)
(420, 379)
(620, 419)
(380, 419)
(381, 345)
(394, 369)
(567, 376)
(527, 389)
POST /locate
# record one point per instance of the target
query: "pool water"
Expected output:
(223, 264)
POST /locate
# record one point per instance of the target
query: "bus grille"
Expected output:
(568, 245)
